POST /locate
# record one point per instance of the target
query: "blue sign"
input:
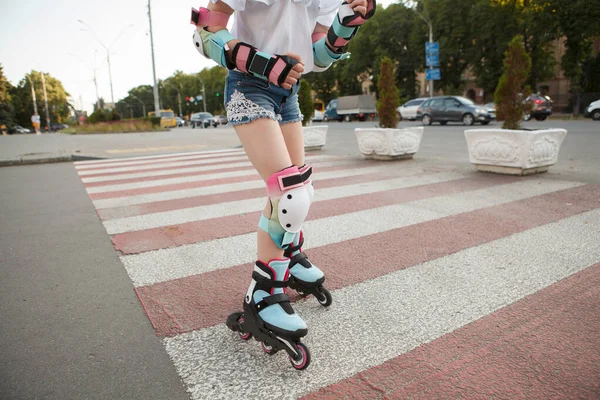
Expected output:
(432, 60)
(432, 47)
(433, 74)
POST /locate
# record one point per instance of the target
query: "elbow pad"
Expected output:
(346, 23)
(214, 45)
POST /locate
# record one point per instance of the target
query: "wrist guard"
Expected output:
(346, 23)
(273, 68)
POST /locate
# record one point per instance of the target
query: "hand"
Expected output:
(359, 6)
(292, 77)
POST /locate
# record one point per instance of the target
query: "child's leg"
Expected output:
(266, 149)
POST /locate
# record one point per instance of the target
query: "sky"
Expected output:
(46, 36)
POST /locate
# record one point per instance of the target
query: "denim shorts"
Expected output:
(248, 98)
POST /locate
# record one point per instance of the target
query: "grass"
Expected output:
(124, 126)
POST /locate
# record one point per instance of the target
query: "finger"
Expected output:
(360, 10)
(291, 81)
(298, 69)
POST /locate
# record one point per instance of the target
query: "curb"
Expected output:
(11, 162)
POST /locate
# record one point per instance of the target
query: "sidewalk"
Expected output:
(59, 147)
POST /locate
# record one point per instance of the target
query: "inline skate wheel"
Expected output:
(243, 335)
(324, 297)
(268, 349)
(303, 359)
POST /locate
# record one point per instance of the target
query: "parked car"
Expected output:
(180, 121)
(331, 111)
(202, 119)
(541, 108)
(593, 111)
(318, 116)
(219, 120)
(409, 109)
(20, 129)
(55, 127)
(491, 109)
(446, 109)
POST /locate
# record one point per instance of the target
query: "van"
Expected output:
(167, 118)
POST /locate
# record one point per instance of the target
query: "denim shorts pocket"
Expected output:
(250, 81)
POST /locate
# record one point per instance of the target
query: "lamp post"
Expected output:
(430, 41)
(91, 31)
(203, 94)
(155, 90)
(45, 101)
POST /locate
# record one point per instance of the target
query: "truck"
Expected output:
(349, 108)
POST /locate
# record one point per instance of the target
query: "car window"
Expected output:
(464, 100)
(413, 103)
(436, 103)
(450, 103)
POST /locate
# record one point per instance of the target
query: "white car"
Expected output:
(20, 129)
(593, 111)
(409, 109)
(317, 115)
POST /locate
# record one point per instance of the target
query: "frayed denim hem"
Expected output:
(254, 117)
(290, 121)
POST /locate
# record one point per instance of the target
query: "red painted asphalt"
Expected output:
(545, 346)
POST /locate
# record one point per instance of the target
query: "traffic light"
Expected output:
(218, 94)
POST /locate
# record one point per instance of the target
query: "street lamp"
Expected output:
(203, 94)
(91, 31)
(430, 41)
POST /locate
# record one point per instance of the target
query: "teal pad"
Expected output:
(214, 44)
(324, 56)
(280, 236)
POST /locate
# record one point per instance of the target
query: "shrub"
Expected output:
(511, 93)
(306, 101)
(114, 115)
(96, 116)
(154, 120)
(388, 95)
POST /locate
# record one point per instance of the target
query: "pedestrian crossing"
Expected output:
(412, 255)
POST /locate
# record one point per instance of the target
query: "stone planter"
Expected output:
(514, 152)
(389, 144)
(314, 136)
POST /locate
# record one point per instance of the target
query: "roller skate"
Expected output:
(268, 314)
(305, 278)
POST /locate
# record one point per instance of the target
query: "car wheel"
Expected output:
(426, 119)
(526, 117)
(347, 118)
(468, 119)
(399, 117)
(596, 115)
(325, 118)
(541, 118)
(443, 122)
(485, 122)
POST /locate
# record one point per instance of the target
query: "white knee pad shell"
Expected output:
(290, 202)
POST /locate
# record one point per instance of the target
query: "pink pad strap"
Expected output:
(282, 181)
(340, 42)
(209, 18)
(317, 36)
(241, 58)
(277, 70)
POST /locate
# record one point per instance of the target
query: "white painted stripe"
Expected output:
(377, 320)
(99, 175)
(95, 163)
(227, 188)
(193, 259)
(224, 209)
(199, 178)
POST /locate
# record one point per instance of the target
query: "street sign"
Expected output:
(432, 47)
(432, 60)
(433, 74)
(199, 97)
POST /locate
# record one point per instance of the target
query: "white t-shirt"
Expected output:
(280, 26)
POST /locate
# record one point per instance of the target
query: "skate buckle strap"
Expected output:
(274, 299)
(205, 17)
(300, 258)
(306, 172)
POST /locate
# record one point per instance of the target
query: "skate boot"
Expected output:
(268, 314)
(305, 278)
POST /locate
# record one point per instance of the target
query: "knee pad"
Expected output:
(290, 201)
(306, 172)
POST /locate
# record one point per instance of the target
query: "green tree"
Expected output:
(510, 93)
(58, 106)
(324, 84)
(6, 107)
(388, 95)
(306, 101)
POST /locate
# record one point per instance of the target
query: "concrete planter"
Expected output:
(314, 136)
(389, 144)
(514, 152)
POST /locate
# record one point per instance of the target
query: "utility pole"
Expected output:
(430, 41)
(46, 102)
(156, 95)
(35, 110)
(203, 94)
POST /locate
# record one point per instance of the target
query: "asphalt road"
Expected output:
(71, 325)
